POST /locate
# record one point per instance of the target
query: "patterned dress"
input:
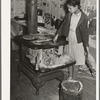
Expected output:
(75, 49)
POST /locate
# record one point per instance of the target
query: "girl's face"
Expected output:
(72, 9)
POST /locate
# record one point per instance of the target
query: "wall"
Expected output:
(53, 7)
(89, 7)
(17, 8)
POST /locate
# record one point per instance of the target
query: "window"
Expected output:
(61, 5)
(47, 5)
(44, 4)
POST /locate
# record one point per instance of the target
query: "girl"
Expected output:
(74, 27)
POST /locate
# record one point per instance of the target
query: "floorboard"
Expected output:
(22, 89)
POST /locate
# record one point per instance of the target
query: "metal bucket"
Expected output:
(71, 90)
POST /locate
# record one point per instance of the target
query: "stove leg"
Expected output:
(18, 70)
(37, 91)
(61, 77)
(38, 85)
(20, 58)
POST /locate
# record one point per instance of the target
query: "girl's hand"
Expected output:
(55, 38)
(67, 39)
(87, 52)
(87, 49)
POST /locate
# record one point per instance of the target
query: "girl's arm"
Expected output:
(85, 35)
(61, 29)
(55, 38)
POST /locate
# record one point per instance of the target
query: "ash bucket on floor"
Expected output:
(71, 90)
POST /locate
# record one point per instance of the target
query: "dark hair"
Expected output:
(73, 3)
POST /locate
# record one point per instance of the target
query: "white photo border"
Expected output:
(5, 50)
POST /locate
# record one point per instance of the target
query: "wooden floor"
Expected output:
(22, 89)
